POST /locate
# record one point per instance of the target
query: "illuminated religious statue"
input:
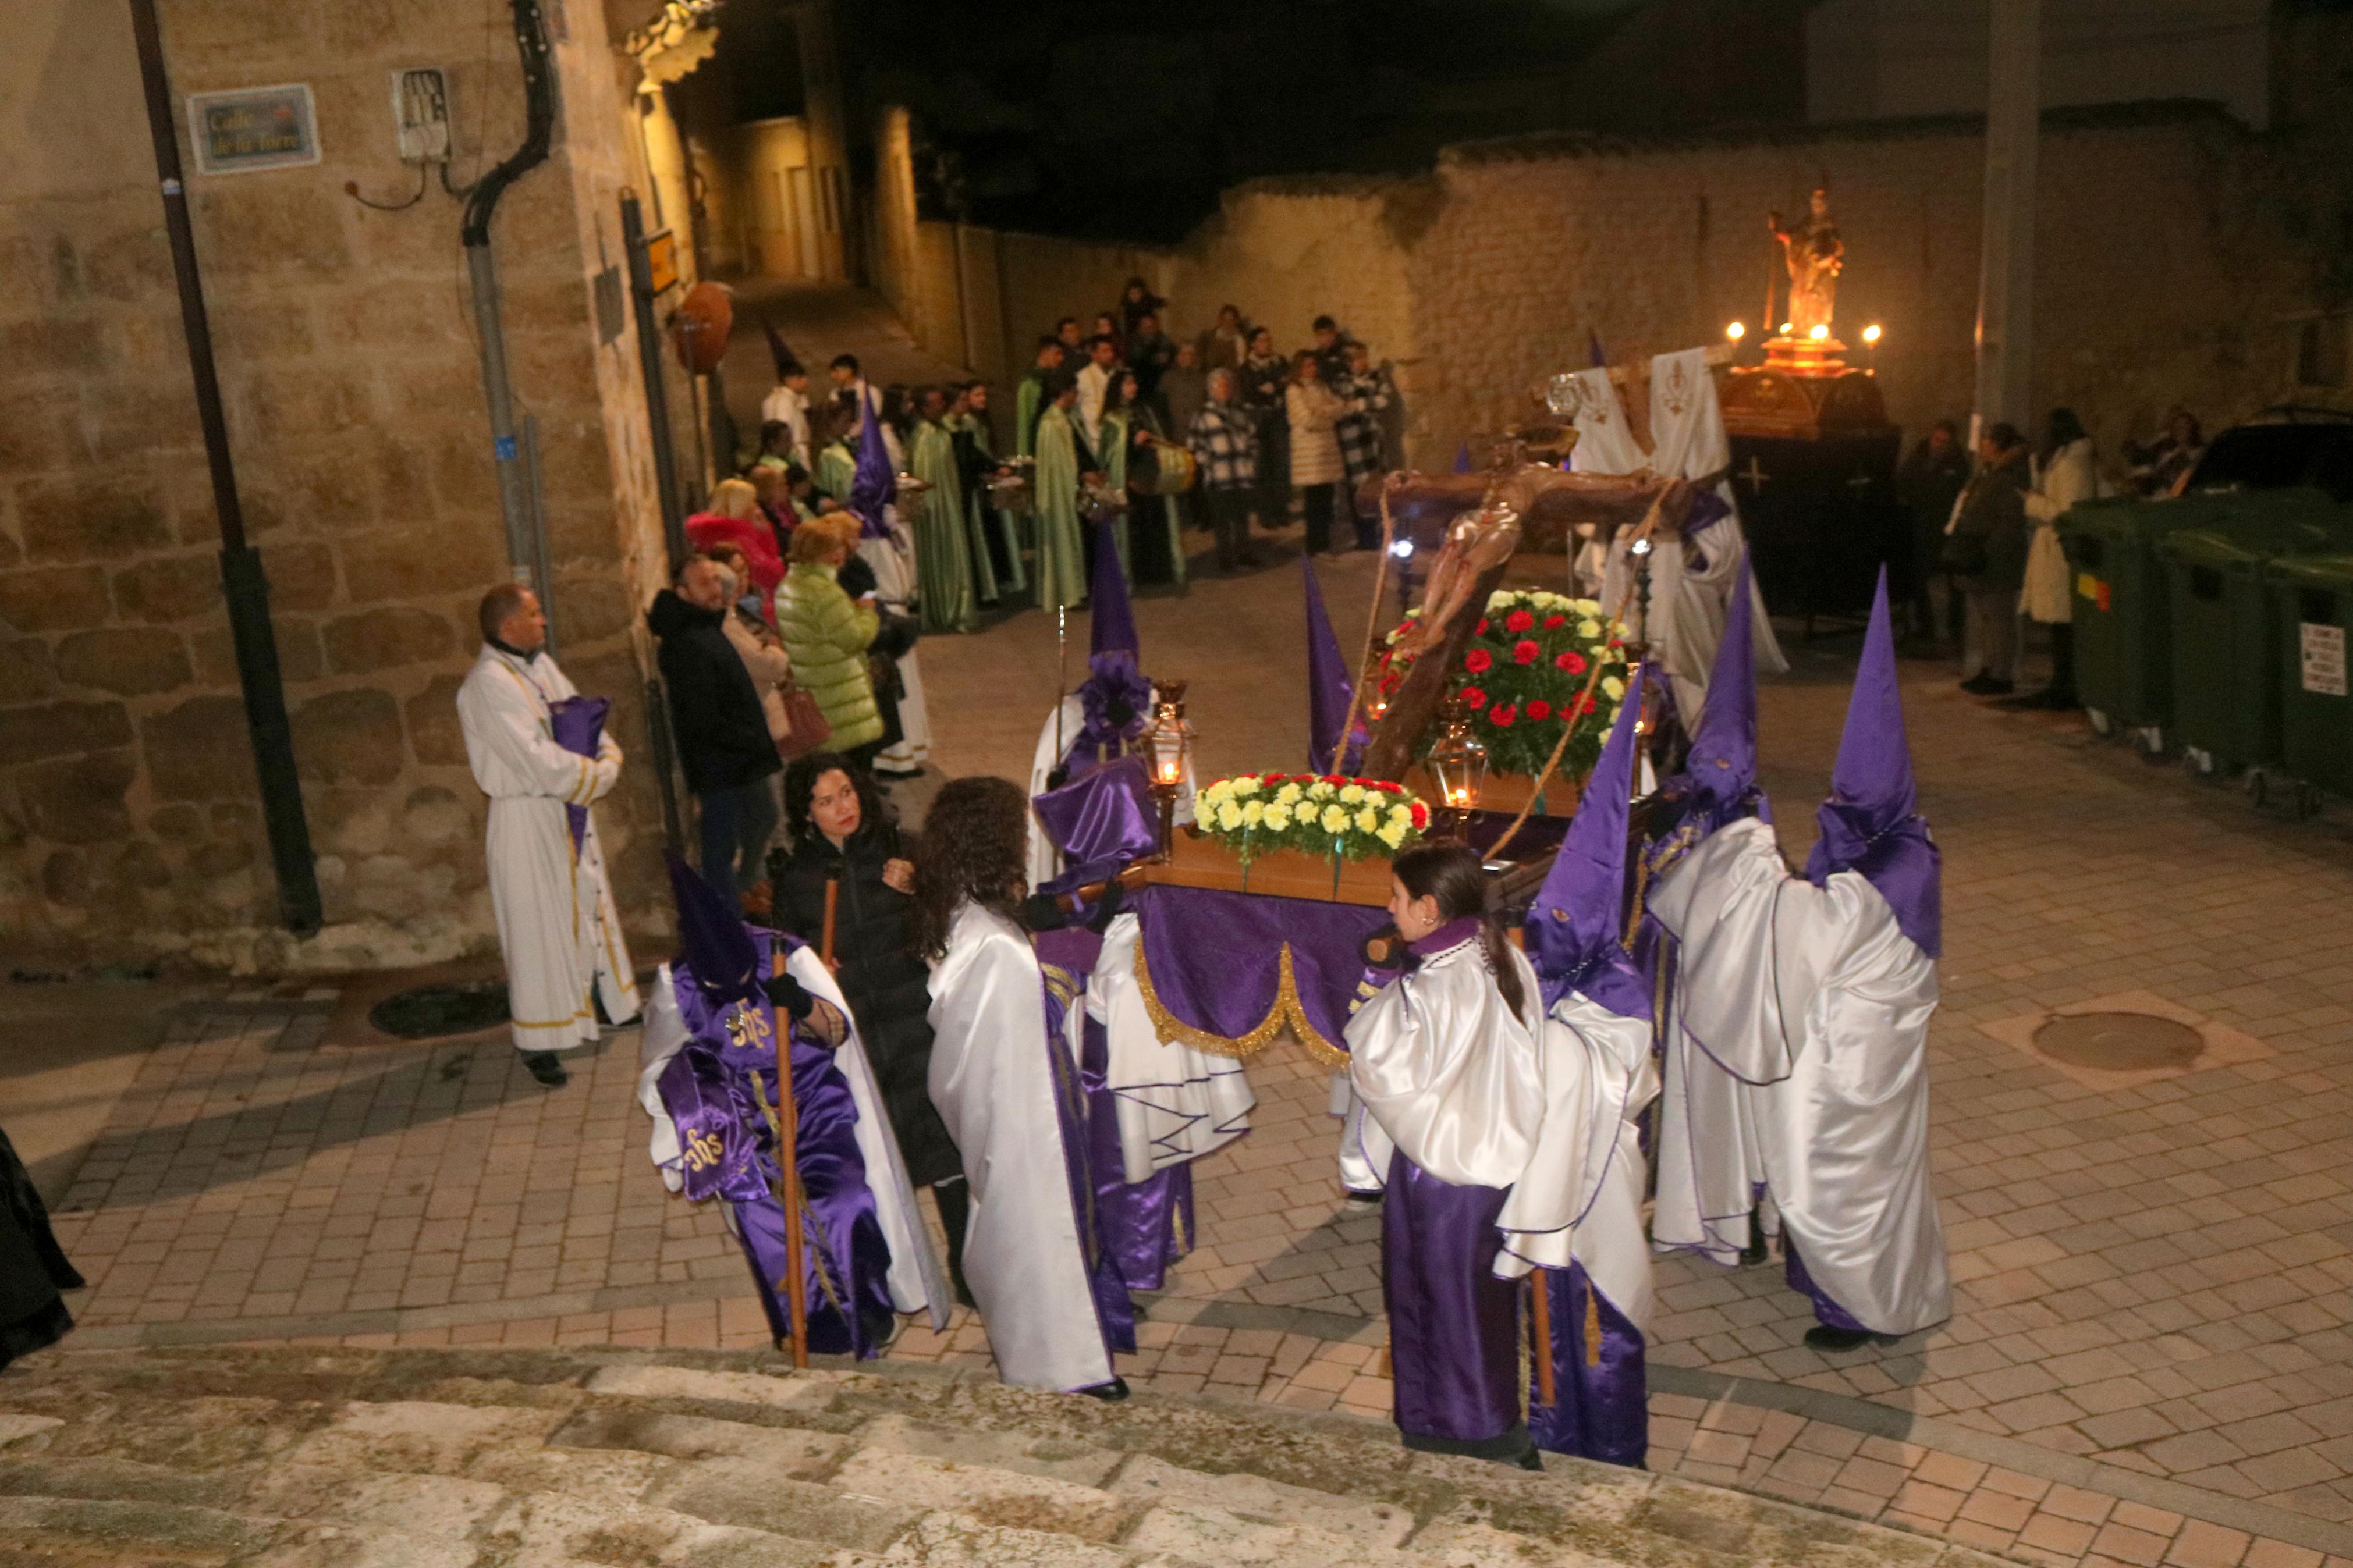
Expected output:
(1816, 257)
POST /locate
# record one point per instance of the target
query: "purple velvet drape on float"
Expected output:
(1600, 1408)
(577, 724)
(1114, 1312)
(1830, 1313)
(1454, 1328)
(1215, 958)
(846, 1263)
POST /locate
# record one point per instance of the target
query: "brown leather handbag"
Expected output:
(805, 726)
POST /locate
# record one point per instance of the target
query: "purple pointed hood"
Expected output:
(712, 940)
(1593, 347)
(1872, 821)
(1113, 617)
(1721, 771)
(874, 485)
(1329, 690)
(1462, 458)
(787, 363)
(1576, 924)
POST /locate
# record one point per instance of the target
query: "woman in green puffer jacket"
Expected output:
(828, 633)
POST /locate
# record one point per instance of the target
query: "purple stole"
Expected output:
(1114, 1312)
(577, 724)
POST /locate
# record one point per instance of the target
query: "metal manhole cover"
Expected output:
(2119, 1042)
(431, 1011)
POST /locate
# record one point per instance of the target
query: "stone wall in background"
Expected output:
(129, 825)
(2169, 268)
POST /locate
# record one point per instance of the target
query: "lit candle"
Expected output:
(1819, 333)
(1871, 333)
(1737, 331)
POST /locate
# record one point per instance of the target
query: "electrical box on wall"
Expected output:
(420, 115)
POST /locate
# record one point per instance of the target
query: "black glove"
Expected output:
(1057, 778)
(1107, 908)
(1120, 714)
(789, 996)
(1044, 911)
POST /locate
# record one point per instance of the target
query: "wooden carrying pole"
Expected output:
(789, 1156)
(1548, 1392)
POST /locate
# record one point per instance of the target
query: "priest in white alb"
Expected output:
(539, 751)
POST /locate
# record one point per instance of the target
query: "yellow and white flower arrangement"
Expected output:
(1330, 816)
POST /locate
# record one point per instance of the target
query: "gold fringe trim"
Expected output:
(1288, 1011)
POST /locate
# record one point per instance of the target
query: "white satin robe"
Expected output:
(1449, 1072)
(993, 1085)
(892, 557)
(1175, 1103)
(1800, 1061)
(1580, 1196)
(559, 929)
(918, 1283)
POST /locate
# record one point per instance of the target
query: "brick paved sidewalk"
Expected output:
(2147, 1362)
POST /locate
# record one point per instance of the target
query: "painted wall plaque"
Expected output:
(253, 128)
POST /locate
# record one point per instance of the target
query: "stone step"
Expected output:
(541, 1459)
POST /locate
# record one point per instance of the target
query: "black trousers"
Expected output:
(1230, 515)
(1317, 498)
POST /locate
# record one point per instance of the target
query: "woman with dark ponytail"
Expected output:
(1443, 1056)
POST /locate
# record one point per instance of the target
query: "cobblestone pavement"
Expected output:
(2147, 1362)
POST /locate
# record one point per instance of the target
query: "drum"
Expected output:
(1170, 469)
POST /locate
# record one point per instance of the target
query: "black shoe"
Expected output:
(1822, 1337)
(546, 1067)
(1983, 684)
(1109, 1393)
(1363, 1200)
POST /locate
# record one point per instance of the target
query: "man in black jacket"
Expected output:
(721, 730)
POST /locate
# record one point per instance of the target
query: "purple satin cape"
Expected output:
(1100, 822)
(1601, 1408)
(1215, 957)
(1454, 1328)
(1828, 1311)
(846, 1263)
(578, 725)
(1144, 1226)
(1114, 1312)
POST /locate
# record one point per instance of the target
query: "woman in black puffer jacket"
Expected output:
(841, 830)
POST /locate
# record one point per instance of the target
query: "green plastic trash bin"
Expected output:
(2312, 596)
(2122, 669)
(2224, 638)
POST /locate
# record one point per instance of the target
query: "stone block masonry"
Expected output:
(129, 828)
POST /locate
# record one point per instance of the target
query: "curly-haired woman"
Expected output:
(841, 833)
(1006, 1085)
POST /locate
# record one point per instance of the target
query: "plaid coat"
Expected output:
(1224, 439)
(1360, 428)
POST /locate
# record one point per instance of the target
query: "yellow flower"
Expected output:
(1229, 817)
(1219, 793)
(1588, 629)
(1334, 819)
(1394, 834)
(1287, 795)
(1499, 600)
(1369, 820)
(1400, 816)
(1254, 812)
(1246, 786)
(1277, 818)
(1352, 794)
(1592, 607)
(1614, 687)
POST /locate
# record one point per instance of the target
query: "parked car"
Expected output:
(2281, 448)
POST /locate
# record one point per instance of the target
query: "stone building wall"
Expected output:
(129, 825)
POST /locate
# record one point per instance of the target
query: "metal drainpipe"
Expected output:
(516, 484)
(243, 582)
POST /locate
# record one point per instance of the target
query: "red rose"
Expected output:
(1388, 684)
(1477, 660)
(1518, 621)
(1335, 780)
(1553, 623)
(1572, 661)
(1525, 651)
(1473, 698)
(1420, 815)
(1275, 778)
(1481, 629)
(1504, 716)
(1539, 709)
(1387, 788)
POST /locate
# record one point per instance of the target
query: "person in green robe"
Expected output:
(996, 543)
(1152, 528)
(1032, 400)
(943, 561)
(1061, 548)
(1111, 456)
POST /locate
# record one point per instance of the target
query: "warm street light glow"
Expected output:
(1819, 333)
(1871, 333)
(1737, 331)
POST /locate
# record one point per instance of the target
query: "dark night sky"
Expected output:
(1127, 119)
